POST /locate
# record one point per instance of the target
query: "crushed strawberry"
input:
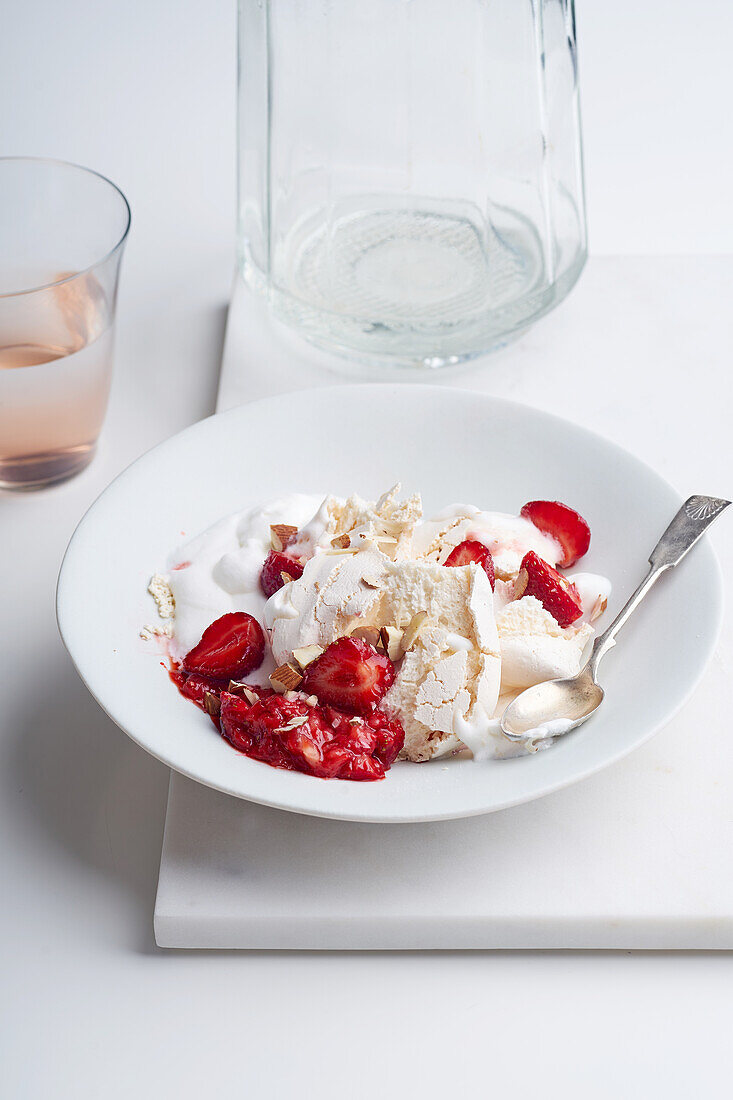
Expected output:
(231, 647)
(276, 569)
(561, 523)
(196, 687)
(350, 674)
(556, 593)
(472, 551)
(235, 688)
(317, 740)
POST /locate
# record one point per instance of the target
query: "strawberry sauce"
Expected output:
(296, 732)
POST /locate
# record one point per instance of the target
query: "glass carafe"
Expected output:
(410, 171)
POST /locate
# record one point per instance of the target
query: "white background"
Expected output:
(144, 92)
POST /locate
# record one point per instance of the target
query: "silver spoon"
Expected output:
(551, 709)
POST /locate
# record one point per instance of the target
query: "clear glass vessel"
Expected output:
(62, 234)
(410, 171)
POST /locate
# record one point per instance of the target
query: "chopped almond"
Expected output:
(299, 720)
(306, 654)
(236, 687)
(281, 535)
(368, 634)
(212, 704)
(285, 678)
(391, 637)
(417, 622)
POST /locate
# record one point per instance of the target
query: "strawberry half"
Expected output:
(350, 674)
(561, 523)
(231, 647)
(472, 551)
(277, 564)
(556, 593)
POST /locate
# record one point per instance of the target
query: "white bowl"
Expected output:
(452, 445)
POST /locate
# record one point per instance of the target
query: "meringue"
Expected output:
(378, 564)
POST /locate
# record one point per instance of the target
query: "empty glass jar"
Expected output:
(410, 171)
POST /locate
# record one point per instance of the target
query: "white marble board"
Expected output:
(635, 857)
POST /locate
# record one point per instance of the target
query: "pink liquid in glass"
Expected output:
(55, 372)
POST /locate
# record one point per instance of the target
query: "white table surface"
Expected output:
(90, 1008)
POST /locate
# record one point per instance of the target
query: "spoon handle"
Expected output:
(690, 523)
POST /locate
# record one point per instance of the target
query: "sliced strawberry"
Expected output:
(472, 551)
(277, 564)
(320, 741)
(556, 593)
(562, 524)
(231, 647)
(351, 675)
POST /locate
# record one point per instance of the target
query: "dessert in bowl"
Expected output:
(331, 636)
(449, 443)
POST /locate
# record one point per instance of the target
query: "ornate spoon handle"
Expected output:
(690, 523)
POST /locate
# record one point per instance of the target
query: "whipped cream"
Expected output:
(476, 649)
(219, 571)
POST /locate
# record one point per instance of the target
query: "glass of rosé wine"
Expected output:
(62, 234)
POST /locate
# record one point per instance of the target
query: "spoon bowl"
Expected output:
(553, 708)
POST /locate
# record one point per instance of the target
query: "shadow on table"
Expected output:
(97, 795)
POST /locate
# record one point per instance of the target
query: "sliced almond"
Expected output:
(392, 638)
(286, 578)
(212, 703)
(369, 583)
(299, 720)
(236, 687)
(369, 634)
(417, 622)
(520, 584)
(285, 678)
(311, 701)
(341, 542)
(281, 535)
(598, 608)
(307, 654)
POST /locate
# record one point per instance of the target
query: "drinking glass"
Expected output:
(62, 234)
(410, 171)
